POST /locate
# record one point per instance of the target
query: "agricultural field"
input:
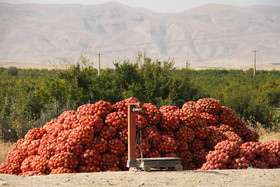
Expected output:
(60, 126)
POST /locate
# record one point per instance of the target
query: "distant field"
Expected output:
(38, 65)
(27, 65)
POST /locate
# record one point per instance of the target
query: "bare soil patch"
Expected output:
(249, 177)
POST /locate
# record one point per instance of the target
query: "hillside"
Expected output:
(208, 36)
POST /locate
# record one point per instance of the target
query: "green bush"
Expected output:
(13, 71)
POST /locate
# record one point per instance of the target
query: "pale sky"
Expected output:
(167, 6)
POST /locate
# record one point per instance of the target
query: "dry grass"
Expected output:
(5, 147)
(267, 134)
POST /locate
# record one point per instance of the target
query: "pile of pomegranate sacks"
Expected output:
(204, 134)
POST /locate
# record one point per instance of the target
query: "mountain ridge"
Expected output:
(213, 35)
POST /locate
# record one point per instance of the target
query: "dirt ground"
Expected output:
(249, 177)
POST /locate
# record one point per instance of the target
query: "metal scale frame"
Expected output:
(145, 163)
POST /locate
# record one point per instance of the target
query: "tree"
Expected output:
(13, 71)
(80, 78)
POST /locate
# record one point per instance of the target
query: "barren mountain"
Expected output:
(211, 36)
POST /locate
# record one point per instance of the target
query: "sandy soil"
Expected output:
(249, 177)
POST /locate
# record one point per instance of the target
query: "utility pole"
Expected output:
(187, 64)
(98, 64)
(255, 62)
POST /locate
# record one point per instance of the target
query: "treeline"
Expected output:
(31, 97)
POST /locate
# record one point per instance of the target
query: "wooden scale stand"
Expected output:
(145, 163)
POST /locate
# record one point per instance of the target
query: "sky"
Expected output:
(160, 6)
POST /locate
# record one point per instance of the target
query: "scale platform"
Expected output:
(147, 163)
